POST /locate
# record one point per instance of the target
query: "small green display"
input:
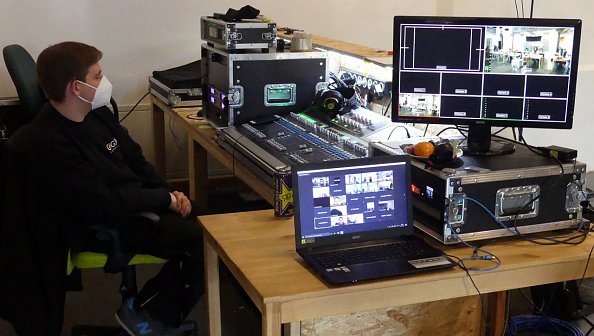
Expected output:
(280, 94)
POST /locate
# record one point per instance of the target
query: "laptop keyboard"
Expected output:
(408, 250)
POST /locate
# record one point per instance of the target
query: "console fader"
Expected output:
(290, 139)
(267, 147)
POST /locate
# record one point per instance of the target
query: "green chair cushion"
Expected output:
(87, 259)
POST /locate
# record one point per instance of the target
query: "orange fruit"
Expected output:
(424, 149)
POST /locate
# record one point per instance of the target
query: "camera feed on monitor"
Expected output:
(528, 50)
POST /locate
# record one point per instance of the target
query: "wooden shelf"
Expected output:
(379, 57)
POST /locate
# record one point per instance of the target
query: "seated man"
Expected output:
(90, 171)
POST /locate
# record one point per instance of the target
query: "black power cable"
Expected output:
(135, 105)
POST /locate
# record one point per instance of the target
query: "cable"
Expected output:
(499, 131)
(585, 269)
(233, 154)
(541, 324)
(517, 13)
(461, 130)
(388, 106)
(393, 129)
(132, 109)
(540, 311)
(171, 125)
(426, 128)
(475, 255)
(506, 312)
(531, 9)
(445, 129)
(460, 263)
(574, 238)
(548, 240)
(337, 80)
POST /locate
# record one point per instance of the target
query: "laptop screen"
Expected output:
(352, 200)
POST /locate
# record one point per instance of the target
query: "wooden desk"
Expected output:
(201, 140)
(259, 251)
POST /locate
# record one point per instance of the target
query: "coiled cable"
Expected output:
(538, 323)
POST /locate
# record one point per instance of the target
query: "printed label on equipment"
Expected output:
(420, 89)
(502, 92)
(464, 91)
(546, 94)
(429, 262)
(544, 116)
(460, 114)
(501, 115)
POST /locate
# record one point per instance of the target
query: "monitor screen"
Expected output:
(508, 72)
(337, 198)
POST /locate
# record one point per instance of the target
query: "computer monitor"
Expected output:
(483, 72)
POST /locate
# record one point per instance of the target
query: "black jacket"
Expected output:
(59, 177)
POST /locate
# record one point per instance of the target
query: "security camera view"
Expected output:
(348, 200)
(514, 73)
(528, 50)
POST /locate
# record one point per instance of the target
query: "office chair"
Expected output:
(21, 68)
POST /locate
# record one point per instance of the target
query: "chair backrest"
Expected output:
(21, 68)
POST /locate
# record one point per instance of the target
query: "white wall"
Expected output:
(139, 36)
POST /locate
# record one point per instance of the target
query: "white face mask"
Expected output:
(102, 93)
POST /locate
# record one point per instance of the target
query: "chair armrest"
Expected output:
(117, 258)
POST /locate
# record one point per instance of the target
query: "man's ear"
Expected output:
(73, 88)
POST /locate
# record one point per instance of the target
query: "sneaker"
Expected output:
(140, 323)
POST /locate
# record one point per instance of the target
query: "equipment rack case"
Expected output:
(238, 35)
(246, 87)
(503, 185)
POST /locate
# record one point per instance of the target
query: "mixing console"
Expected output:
(269, 146)
(359, 122)
(299, 139)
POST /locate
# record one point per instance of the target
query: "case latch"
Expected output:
(574, 196)
(456, 210)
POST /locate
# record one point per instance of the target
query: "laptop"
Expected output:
(353, 220)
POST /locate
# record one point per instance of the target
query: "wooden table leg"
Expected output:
(292, 329)
(159, 139)
(497, 307)
(271, 320)
(198, 173)
(213, 289)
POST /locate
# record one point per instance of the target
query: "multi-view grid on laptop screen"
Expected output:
(353, 199)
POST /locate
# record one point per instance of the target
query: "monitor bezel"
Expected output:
(355, 236)
(495, 21)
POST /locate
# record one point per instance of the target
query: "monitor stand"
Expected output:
(479, 143)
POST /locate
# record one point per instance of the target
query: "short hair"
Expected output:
(60, 63)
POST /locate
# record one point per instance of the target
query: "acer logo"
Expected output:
(356, 237)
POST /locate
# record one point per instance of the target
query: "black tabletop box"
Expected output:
(179, 86)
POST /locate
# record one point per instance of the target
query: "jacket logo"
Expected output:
(144, 328)
(112, 145)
